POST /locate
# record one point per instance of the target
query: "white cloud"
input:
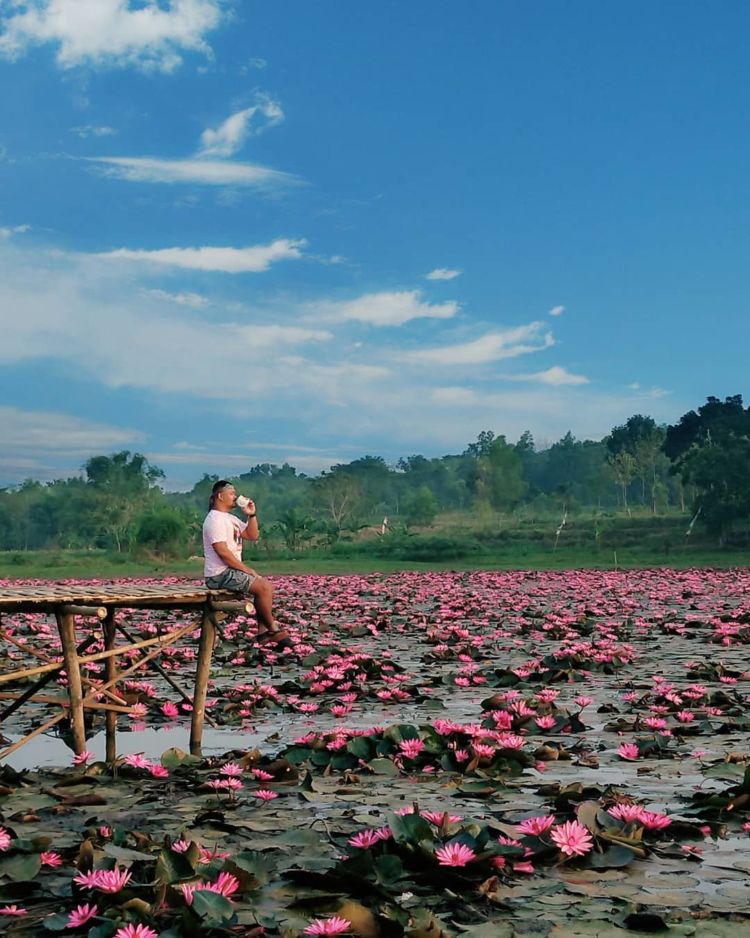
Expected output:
(250, 368)
(555, 376)
(454, 395)
(6, 233)
(111, 33)
(34, 442)
(229, 137)
(443, 273)
(91, 130)
(256, 62)
(229, 260)
(557, 311)
(192, 171)
(194, 300)
(384, 309)
(494, 346)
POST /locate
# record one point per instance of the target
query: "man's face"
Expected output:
(227, 496)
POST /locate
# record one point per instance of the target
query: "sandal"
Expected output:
(277, 637)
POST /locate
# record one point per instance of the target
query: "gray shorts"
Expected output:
(234, 580)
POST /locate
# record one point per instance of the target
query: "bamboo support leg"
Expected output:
(202, 672)
(67, 627)
(110, 675)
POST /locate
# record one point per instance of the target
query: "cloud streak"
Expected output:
(225, 259)
(443, 273)
(192, 171)
(383, 309)
(491, 347)
(555, 376)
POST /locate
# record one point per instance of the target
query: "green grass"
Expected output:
(60, 565)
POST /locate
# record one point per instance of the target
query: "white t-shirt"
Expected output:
(221, 526)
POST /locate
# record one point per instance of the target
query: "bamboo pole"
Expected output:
(168, 678)
(29, 736)
(202, 672)
(65, 702)
(88, 612)
(23, 647)
(20, 699)
(144, 660)
(99, 656)
(110, 675)
(67, 626)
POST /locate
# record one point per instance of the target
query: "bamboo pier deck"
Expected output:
(100, 602)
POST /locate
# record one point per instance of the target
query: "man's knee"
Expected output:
(261, 587)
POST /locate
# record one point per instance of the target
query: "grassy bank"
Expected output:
(95, 565)
(604, 541)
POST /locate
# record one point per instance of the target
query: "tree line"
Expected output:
(699, 466)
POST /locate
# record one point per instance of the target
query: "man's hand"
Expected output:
(249, 509)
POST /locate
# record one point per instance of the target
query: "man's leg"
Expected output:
(262, 593)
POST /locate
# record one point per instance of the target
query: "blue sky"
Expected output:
(234, 233)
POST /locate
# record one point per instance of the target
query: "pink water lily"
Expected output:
(110, 881)
(5, 839)
(628, 751)
(536, 826)
(81, 914)
(48, 858)
(336, 925)
(136, 931)
(572, 838)
(455, 854)
(411, 748)
(83, 757)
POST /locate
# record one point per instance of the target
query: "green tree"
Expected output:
(337, 496)
(642, 439)
(120, 487)
(499, 477)
(163, 530)
(622, 466)
(419, 506)
(710, 448)
(295, 527)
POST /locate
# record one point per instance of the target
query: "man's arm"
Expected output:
(251, 531)
(230, 560)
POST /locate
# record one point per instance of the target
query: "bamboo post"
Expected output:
(66, 623)
(202, 672)
(110, 673)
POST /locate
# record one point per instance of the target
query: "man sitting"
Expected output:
(223, 569)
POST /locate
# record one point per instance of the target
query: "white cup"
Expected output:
(242, 501)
